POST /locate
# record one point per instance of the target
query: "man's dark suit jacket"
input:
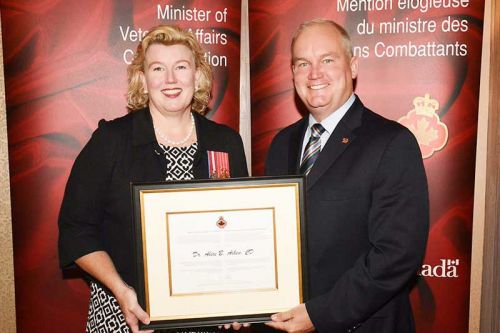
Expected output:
(367, 221)
(96, 213)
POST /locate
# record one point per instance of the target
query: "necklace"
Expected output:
(176, 143)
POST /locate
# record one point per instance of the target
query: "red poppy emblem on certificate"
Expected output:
(221, 222)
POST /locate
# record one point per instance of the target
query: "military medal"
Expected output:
(218, 164)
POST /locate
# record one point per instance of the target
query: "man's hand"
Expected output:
(127, 299)
(295, 320)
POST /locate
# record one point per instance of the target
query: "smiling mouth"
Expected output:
(318, 86)
(172, 93)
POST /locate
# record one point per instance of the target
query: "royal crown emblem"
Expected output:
(424, 123)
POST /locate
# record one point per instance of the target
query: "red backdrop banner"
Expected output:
(420, 65)
(65, 69)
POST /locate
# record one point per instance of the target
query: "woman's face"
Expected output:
(170, 77)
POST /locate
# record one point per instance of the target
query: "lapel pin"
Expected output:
(345, 140)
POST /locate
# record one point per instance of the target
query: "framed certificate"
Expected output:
(218, 251)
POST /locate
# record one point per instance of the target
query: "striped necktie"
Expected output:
(313, 148)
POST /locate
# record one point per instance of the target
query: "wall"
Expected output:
(7, 306)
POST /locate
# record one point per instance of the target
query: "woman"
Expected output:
(164, 138)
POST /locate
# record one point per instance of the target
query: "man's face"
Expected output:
(323, 72)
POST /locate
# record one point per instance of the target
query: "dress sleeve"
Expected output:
(84, 197)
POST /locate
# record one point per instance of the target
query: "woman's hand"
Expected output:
(99, 265)
(235, 326)
(127, 299)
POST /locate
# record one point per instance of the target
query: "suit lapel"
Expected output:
(295, 147)
(341, 138)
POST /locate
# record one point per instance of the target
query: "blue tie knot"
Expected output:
(316, 130)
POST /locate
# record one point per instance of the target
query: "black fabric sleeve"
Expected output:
(84, 197)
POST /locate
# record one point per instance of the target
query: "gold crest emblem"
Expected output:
(423, 121)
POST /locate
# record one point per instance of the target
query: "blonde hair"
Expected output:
(137, 98)
(346, 39)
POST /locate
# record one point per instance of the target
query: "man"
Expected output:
(366, 195)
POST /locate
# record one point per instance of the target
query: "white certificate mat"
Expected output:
(221, 251)
(215, 251)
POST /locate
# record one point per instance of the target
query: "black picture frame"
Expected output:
(140, 192)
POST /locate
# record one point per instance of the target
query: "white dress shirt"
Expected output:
(329, 123)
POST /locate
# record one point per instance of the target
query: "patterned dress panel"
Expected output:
(104, 312)
(179, 161)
